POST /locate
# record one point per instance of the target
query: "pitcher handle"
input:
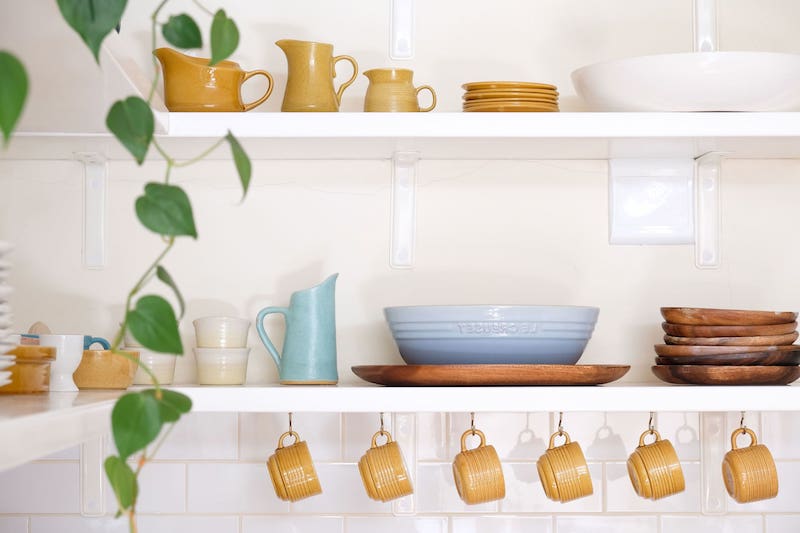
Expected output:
(250, 74)
(276, 356)
(433, 96)
(88, 341)
(349, 82)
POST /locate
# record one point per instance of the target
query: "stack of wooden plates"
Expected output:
(728, 347)
(494, 96)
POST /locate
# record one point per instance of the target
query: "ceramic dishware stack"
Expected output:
(728, 347)
(221, 351)
(501, 96)
(30, 372)
(6, 361)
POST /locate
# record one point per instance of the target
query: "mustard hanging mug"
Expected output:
(383, 470)
(749, 472)
(655, 469)
(563, 470)
(477, 472)
(292, 471)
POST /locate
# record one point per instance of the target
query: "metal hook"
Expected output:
(650, 426)
(290, 422)
(472, 422)
(741, 422)
(560, 421)
(382, 431)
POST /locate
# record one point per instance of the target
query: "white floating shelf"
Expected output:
(451, 136)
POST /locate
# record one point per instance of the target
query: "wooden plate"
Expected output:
(698, 316)
(784, 358)
(677, 350)
(726, 375)
(489, 375)
(763, 340)
(481, 85)
(683, 330)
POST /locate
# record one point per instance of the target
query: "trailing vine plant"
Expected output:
(140, 421)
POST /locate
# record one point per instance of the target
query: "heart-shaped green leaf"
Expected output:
(183, 32)
(243, 166)
(164, 276)
(166, 210)
(13, 91)
(123, 481)
(131, 121)
(224, 37)
(173, 404)
(152, 322)
(135, 423)
(92, 19)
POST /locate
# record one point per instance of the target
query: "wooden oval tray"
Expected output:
(726, 375)
(677, 350)
(684, 330)
(783, 358)
(724, 317)
(489, 375)
(763, 340)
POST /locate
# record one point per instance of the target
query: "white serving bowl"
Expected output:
(491, 334)
(221, 366)
(699, 81)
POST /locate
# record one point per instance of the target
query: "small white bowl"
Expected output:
(221, 332)
(221, 366)
(162, 365)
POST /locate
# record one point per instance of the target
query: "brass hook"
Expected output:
(472, 422)
(741, 422)
(560, 423)
(290, 422)
(382, 430)
(650, 426)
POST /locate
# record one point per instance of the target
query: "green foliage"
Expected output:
(165, 277)
(123, 482)
(13, 92)
(224, 37)
(171, 404)
(135, 423)
(92, 19)
(131, 121)
(182, 31)
(152, 322)
(166, 210)
(243, 166)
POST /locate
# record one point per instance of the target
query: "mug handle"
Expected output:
(289, 433)
(646, 434)
(276, 356)
(88, 341)
(743, 431)
(349, 82)
(378, 434)
(433, 96)
(250, 74)
(561, 433)
(477, 432)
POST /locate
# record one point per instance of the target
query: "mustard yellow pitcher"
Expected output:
(190, 84)
(312, 67)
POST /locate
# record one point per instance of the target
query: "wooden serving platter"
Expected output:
(677, 350)
(699, 316)
(684, 330)
(762, 340)
(489, 375)
(783, 358)
(726, 375)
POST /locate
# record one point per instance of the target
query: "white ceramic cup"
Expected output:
(162, 365)
(221, 366)
(221, 332)
(69, 351)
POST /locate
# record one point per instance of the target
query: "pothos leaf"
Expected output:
(132, 123)
(242, 162)
(164, 276)
(166, 210)
(152, 322)
(92, 19)
(224, 37)
(123, 480)
(135, 423)
(182, 31)
(13, 92)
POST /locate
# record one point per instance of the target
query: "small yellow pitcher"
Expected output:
(190, 84)
(392, 90)
(312, 67)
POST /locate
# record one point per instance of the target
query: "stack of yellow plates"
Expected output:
(492, 96)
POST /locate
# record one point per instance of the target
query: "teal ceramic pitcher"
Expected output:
(309, 347)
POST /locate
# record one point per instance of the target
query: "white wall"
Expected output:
(489, 231)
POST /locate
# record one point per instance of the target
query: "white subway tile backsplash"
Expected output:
(607, 524)
(524, 492)
(502, 524)
(712, 524)
(781, 434)
(342, 493)
(162, 489)
(202, 436)
(518, 436)
(620, 496)
(436, 492)
(396, 525)
(72, 453)
(193, 524)
(40, 488)
(358, 429)
(14, 525)
(292, 524)
(432, 436)
(619, 434)
(232, 489)
(782, 523)
(80, 524)
(259, 433)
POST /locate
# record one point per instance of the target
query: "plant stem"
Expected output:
(202, 154)
(132, 521)
(154, 23)
(147, 369)
(202, 7)
(163, 152)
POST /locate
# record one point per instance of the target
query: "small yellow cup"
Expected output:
(477, 472)
(383, 470)
(292, 471)
(655, 469)
(749, 473)
(563, 470)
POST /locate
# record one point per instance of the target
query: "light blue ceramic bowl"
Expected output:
(491, 334)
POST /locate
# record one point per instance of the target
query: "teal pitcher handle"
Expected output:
(263, 334)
